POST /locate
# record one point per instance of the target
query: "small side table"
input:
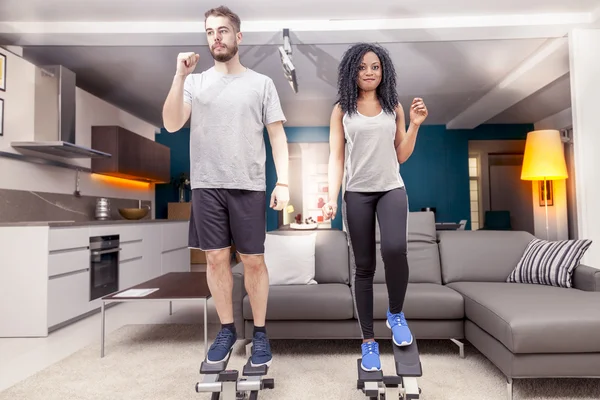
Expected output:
(174, 286)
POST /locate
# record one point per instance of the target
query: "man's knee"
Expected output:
(253, 262)
(218, 258)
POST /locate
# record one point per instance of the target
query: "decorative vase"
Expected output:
(182, 195)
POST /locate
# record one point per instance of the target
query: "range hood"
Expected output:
(55, 116)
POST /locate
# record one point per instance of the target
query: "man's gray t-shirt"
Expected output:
(229, 113)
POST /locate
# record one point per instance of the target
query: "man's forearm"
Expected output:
(173, 112)
(281, 158)
(407, 145)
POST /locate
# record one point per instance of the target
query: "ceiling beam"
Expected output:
(560, 120)
(191, 33)
(547, 64)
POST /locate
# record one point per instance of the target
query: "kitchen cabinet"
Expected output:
(132, 156)
(45, 271)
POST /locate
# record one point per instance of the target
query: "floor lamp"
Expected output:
(544, 160)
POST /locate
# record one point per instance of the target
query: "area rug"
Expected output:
(161, 362)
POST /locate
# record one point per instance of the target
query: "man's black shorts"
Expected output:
(219, 216)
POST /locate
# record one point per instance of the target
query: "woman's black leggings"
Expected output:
(391, 210)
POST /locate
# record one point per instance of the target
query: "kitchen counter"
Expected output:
(87, 223)
(47, 272)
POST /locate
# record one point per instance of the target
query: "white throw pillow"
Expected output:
(290, 259)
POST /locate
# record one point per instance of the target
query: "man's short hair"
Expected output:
(224, 11)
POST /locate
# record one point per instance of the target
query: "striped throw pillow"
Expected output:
(549, 262)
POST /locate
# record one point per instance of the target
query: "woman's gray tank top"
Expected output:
(371, 161)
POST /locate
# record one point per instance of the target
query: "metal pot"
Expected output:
(102, 209)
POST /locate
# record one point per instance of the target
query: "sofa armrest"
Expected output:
(586, 278)
(239, 292)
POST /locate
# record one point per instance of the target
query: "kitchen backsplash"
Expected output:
(27, 206)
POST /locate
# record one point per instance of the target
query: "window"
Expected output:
(474, 190)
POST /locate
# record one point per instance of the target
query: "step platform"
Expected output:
(226, 384)
(376, 385)
(408, 362)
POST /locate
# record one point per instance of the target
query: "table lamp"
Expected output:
(544, 160)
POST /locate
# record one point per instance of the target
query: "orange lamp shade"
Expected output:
(544, 157)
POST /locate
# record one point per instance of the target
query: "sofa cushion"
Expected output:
(423, 252)
(329, 301)
(422, 301)
(290, 260)
(549, 262)
(534, 318)
(586, 278)
(331, 254)
(480, 256)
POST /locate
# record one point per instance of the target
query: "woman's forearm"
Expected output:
(335, 174)
(407, 145)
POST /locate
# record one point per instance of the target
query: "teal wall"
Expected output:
(436, 175)
(179, 143)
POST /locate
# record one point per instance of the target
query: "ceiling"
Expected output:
(550, 100)
(177, 10)
(447, 75)
(509, 65)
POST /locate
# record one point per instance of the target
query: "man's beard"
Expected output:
(228, 55)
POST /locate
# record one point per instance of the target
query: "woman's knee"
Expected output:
(365, 267)
(393, 250)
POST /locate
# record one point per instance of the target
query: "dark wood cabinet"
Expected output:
(133, 156)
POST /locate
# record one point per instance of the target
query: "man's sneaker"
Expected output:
(221, 347)
(370, 356)
(261, 350)
(401, 334)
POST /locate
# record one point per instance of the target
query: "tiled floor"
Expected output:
(23, 357)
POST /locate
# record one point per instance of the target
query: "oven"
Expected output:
(104, 265)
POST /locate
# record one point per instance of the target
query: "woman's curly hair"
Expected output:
(348, 78)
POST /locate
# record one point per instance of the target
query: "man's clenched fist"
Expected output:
(186, 63)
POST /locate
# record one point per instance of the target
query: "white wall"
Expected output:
(19, 111)
(557, 214)
(585, 100)
(558, 218)
(558, 224)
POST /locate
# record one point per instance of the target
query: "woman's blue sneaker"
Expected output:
(401, 334)
(370, 356)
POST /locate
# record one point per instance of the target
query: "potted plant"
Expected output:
(182, 182)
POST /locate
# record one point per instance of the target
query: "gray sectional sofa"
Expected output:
(457, 291)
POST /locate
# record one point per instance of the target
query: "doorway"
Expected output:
(508, 192)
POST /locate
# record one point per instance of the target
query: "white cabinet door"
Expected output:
(131, 273)
(66, 238)
(65, 262)
(175, 235)
(151, 248)
(68, 296)
(176, 261)
(131, 250)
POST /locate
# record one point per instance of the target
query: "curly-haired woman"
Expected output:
(369, 117)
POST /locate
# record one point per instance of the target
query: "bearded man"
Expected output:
(230, 105)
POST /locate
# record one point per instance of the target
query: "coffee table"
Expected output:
(173, 286)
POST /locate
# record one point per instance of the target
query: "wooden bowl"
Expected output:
(133, 213)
